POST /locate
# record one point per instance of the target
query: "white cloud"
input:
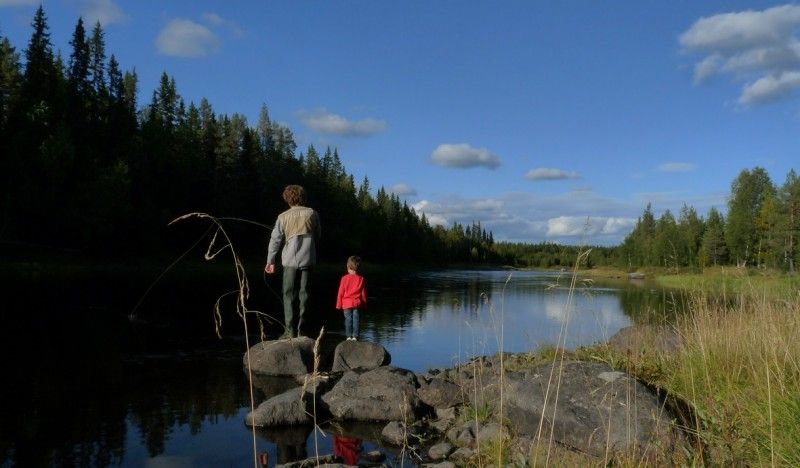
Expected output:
(218, 21)
(526, 217)
(5, 3)
(758, 47)
(425, 207)
(543, 173)
(742, 30)
(464, 156)
(707, 67)
(403, 190)
(770, 88)
(588, 227)
(104, 11)
(185, 38)
(676, 167)
(323, 121)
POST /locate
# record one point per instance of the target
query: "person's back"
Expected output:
(299, 228)
(298, 231)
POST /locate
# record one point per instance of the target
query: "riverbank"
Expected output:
(738, 369)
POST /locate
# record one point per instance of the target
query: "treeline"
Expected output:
(760, 229)
(550, 255)
(86, 167)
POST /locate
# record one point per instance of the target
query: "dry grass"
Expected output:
(740, 370)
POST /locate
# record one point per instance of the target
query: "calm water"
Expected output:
(85, 385)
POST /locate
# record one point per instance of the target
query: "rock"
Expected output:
(395, 433)
(444, 464)
(327, 460)
(448, 414)
(440, 425)
(463, 435)
(462, 454)
(292, 407)
(383, 394)
(491, 432)
(645, 339)
(359, 355)
(282, 357)
(402, 434)
(270, 385)
(596, 409)
(374, 456)
(440, 451)
(441, 393)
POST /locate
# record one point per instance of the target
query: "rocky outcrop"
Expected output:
(589, 407)
(383, 394)
(359, 355)
(287, 357)
(290, 408)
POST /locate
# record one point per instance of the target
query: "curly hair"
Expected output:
(294, 195)
(354, 262)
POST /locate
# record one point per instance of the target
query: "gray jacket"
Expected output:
(298, 229)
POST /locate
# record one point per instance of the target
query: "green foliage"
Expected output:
(84, 168)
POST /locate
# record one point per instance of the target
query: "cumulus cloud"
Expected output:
(543, 173)
(218, 21)
(403, 190)
(323, 121)
(573, 226)
(526, 217)
(676, 167)
(104, 11)
(185, 38)
(464, 156)
(770, 88)
(759, 47)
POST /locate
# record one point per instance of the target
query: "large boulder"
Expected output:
(440, 393)
(590, 407)
(359, 355)
(383, 394)
(287, 357)
(290, 408)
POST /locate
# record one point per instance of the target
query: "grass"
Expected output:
(730, 281)
(738, 371)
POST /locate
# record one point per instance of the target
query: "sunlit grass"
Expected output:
(732, 281)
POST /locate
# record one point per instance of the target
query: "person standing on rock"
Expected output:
(298, 231)
(352, 296)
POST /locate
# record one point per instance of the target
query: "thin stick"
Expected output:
(241, 303)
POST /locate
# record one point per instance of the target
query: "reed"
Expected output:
(221, 242)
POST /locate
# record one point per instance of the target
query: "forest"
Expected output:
(89, 169)
(760, 230)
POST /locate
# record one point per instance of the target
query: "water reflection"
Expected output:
(86, 387)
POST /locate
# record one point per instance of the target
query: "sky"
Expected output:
(544, 121)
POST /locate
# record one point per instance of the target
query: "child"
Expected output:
(352, 297)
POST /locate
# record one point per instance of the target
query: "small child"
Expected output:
(352, 297)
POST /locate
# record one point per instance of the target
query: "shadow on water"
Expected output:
(84, 385)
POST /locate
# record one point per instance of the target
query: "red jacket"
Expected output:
(347, 448)
(352, 293)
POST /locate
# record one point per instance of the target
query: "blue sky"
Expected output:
(546, 121)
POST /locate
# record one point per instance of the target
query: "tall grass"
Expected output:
(734, 282)
(740, 370)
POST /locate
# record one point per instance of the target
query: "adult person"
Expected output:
(298, 231)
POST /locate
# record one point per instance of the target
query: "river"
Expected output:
(102, 371)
